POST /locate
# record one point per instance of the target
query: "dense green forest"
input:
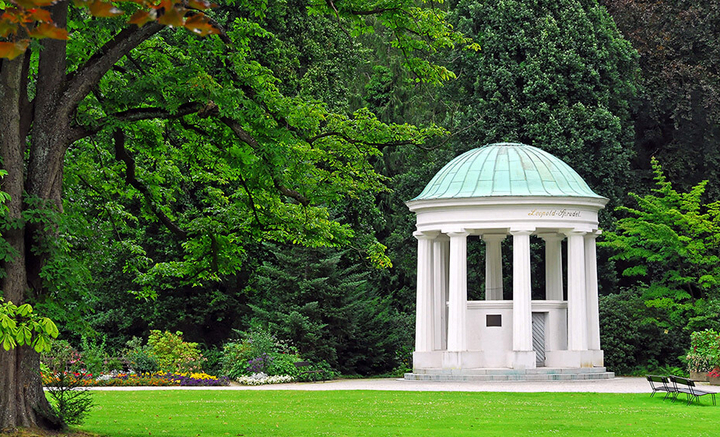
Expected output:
(255, 180)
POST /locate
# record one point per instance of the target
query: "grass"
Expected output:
(181, 413)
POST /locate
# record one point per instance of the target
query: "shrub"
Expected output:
(403, 356)
(283, 364)
(68, 399)
(234, 361)
(213, 357)
(705, 343)
(112, 364)
(173, 354)
(318, 372)
(656, 369)
(260, 341)
(633, 337)
(257, 351)
(62, 357)
(139, 358)
(94, 355)
(704, 352)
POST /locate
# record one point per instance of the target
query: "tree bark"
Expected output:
(49, 121)
(22, 401)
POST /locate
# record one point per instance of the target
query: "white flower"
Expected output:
(261, 378)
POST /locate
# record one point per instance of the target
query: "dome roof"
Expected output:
(506, 169)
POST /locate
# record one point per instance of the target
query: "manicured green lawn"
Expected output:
(388, 413)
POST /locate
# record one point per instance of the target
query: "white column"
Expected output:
(591, 288)
(441, 258)
(457, 337)
(493, 266)
(522, 298)
(553, 266)
(423, 308)
(577, 303)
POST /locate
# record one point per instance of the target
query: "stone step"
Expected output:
(540, 374)
(506, 371)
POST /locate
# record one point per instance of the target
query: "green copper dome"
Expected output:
(506, 169)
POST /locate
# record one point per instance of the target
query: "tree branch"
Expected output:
(87, 76)
(252, 202)
(121, 154)
(354, 141)
(136, 114)
(376, 11)
(241, 133)
(244, 136)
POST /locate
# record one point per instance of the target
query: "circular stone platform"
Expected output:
(537, 374)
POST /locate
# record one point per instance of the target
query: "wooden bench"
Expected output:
(687, 386)
(303, 366)
(660, 383)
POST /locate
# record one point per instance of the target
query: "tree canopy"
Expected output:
(193, 136)
(671, 242)
(555, 74)
(677, 119)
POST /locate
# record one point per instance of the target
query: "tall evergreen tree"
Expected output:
(319, 300)
(678, 121)
(555, 74)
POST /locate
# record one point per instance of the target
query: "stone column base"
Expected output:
(522, 359)
(427, 360)
(593, 358)
(462, 359)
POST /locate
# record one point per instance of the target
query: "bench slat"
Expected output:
(687, 386)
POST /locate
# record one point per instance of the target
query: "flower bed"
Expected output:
(714, 376)
(704, 354)
(261, 379)
(132, 379)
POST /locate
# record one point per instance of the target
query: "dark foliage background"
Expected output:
(604, 85)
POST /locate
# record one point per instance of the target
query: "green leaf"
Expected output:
(49, 327)
(40, 344)
(8, 342)
(24, 310)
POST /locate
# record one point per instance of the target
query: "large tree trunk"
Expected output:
(22, 401)
(49, 121)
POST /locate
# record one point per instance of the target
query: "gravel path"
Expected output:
(615, 385)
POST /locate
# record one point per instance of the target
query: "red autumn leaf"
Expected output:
(7, 28)
(164, 4)
(139, 18)
(200, 24)
(29, 4)
(48, 30)
(12, 15)
(173, 17)
(11, 50)
(42, 15)
(102, 9)
(201, 4)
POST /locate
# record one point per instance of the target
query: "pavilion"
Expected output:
(497, 192)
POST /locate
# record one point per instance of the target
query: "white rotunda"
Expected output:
(513, 191)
